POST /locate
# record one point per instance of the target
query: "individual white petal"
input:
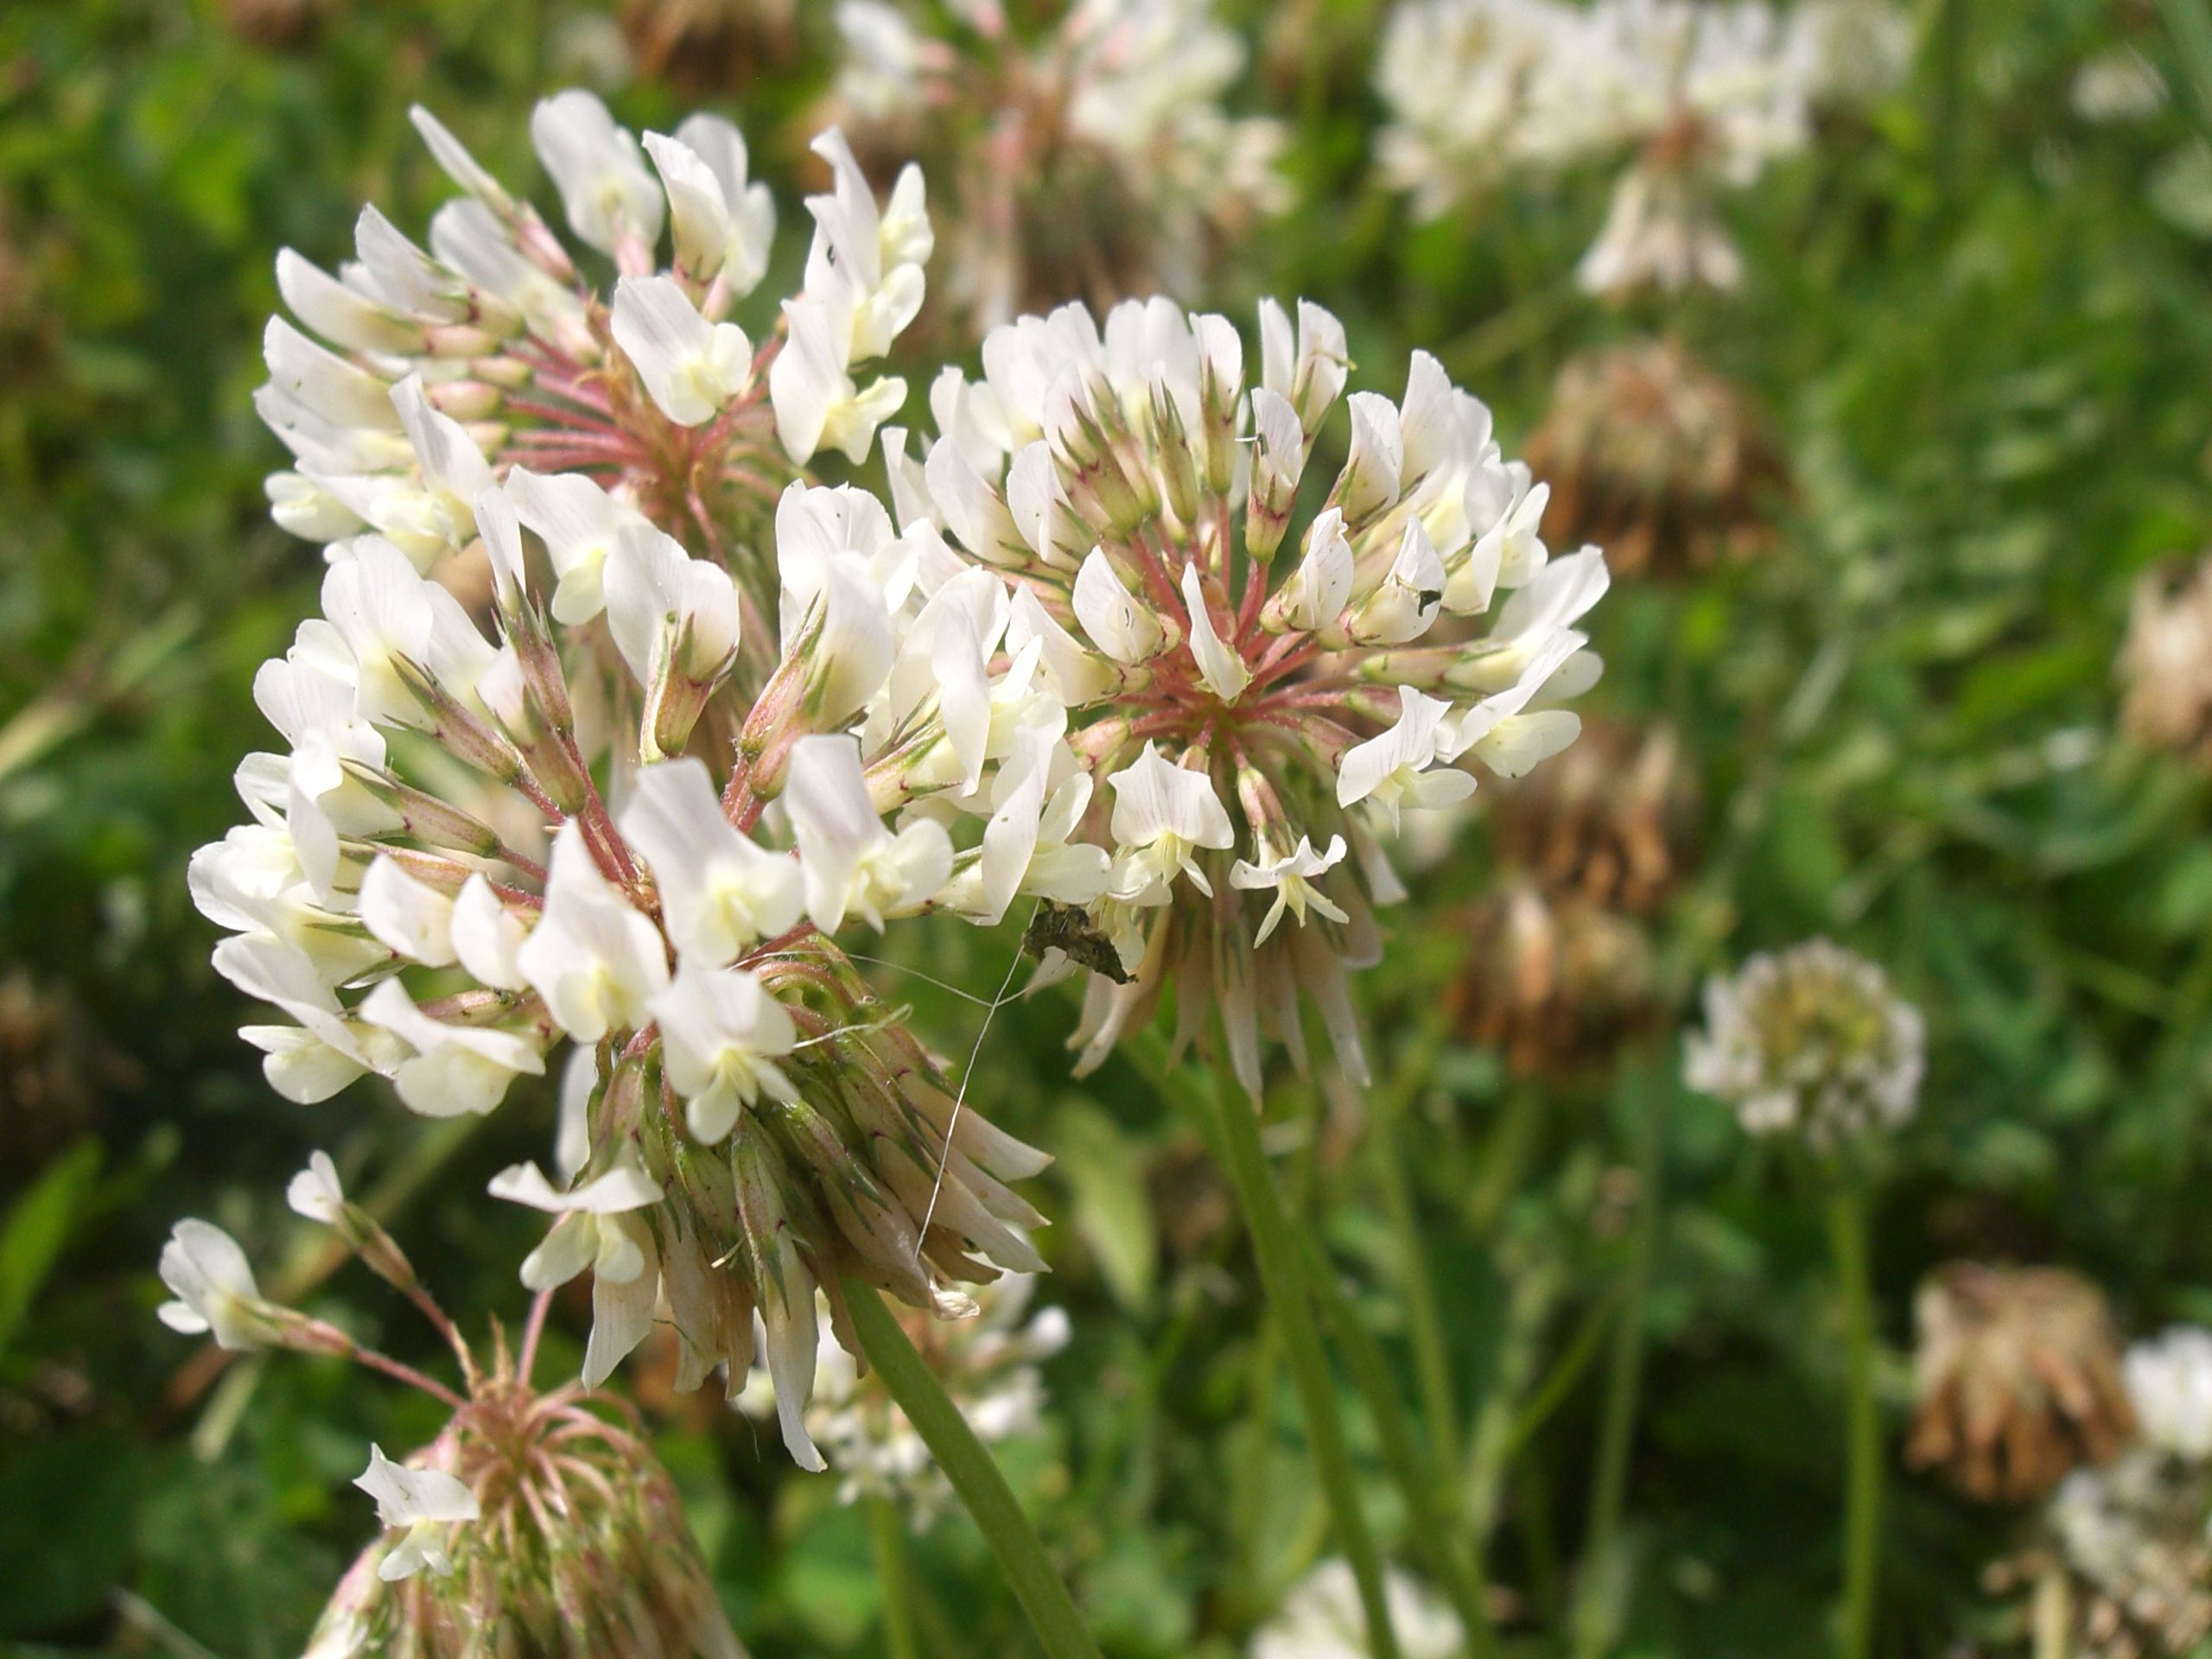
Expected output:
(622, 1188)
(1220, 665)
(609, 196)
(1111, 615)
(412, 917)
(690, 367)
(314, 1192)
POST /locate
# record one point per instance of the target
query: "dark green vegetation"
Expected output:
(1980, 329)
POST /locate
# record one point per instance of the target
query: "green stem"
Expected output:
(886, 1531)
(1432, 1356)
(1283, 1277)
(1434, 1529)
(1863, 1464)
(989, 1501)
(1625, 1377)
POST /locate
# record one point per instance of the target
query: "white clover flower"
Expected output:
(1321, 1618)
(1094, 158)
(214, 1287)
(2170, 1384)
(1238, 718)
(1696, 97)
(426, 1504)
(1810, 1041)
(445, 369)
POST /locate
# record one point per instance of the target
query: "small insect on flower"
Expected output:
(1092, 157)
(1258, 698)
(1809, 1041)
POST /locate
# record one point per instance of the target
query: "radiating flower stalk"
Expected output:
(1811, 1043)
(536, 1522)
(1689, 99)
(1091, 157)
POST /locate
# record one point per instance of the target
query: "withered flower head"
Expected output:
(1664, 463)
(1609, 821)
(704, 47)
(1555, 983)
(2018, 1374)
(2165, 661)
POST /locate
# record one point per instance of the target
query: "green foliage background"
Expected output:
(1980, 327)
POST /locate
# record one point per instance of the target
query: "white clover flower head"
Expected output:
(1321, 1618)
(1260, 695)
(214, 1288)
(2169, 1380)
(479, 849)
(1685, 99)
(1810, 1041)
(425, 1505)
(1094, 156)
(425, 375)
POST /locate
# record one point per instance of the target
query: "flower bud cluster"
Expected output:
(1263, 688)
(422, 376)
(1095, 159)
(1809, 1041)
(1700, 95)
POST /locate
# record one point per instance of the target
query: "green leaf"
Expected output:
(37, 1227)
(65, 1528)
(1113, 1215)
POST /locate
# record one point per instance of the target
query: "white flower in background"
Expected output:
(1690, 99)
(2170, 1384)
(988, 1366)
(2117, 85)
(1259, 697)
(1321, 1618)
(214, 1287)
(425, 1504)
(1094, 157)
(2133, 1563)
(437, 373)
(1810, 1041)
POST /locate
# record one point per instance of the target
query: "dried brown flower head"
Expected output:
(2018, 1379)
(704, 47)
(1610, 820)
(1555, 983)
(2165, 661)
(1662, 462)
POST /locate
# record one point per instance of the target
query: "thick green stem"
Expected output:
(886, 1531)
(1862, 1513)
(989, 1501)
(1282, 1274)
